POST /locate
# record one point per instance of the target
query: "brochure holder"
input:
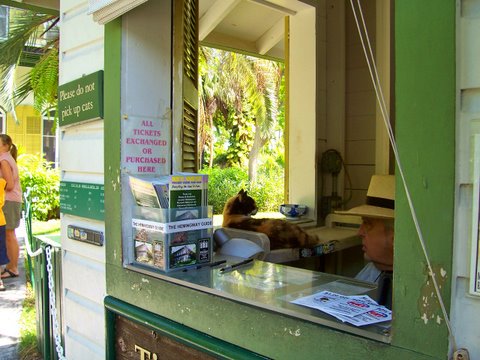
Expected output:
(172, 239)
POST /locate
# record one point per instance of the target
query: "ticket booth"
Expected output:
(148, 128)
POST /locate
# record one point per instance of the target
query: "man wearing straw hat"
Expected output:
(377, 235)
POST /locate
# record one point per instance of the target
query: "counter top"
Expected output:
(272, 287)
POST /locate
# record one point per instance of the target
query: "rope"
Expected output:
(29, 249)
(386, 119)
(28, 225)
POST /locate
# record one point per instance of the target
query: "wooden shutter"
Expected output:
(27, 133)
(185, 86)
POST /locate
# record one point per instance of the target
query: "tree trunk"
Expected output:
(210, 163)
(258, 143)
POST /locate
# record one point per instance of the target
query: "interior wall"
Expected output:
(360, 107)
(302, 117)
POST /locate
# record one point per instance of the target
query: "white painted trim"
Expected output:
(271, 37)
(214, 15)
(104, 11)
(474, 288)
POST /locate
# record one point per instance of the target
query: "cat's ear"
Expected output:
(242, 195)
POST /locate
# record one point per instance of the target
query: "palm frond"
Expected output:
(44, 81)
(22, 89)
(25, 31)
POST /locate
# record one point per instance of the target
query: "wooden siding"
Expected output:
(81, 160)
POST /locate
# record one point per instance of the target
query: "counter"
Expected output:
(272, 287)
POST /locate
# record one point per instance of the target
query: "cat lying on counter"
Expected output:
(282, 234)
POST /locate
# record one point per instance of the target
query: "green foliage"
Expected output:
(44, 81)
(238, 107)
(268, 191)
(43, 182)
(242, 131)
(28, 327)
(223, 184)
(26, 32)
(51, 226)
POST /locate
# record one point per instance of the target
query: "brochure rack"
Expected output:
(172, 239)
(171, 222)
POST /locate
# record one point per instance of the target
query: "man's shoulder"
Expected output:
(369, 273)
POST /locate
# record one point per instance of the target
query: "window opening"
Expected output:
(49, 138)
(4, 22)
(239, 111)
(3, 119)
(242, 121)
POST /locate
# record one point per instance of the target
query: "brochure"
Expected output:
(186, 240)
(180, 190)
(356, 310)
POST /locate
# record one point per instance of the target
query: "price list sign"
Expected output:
(82, 199)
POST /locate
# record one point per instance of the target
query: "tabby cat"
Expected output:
(282, 234)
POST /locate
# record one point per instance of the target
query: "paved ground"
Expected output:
(11, 307)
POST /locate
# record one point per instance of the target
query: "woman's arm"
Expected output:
(7, 174)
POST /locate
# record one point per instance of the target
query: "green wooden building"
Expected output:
(145, 52)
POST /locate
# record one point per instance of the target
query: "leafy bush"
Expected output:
(268, 192)
(223, 184)
(43, 183)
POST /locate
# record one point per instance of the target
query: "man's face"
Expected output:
(377, 243)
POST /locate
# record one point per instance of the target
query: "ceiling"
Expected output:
(250, 26)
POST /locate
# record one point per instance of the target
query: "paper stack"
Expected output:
(358, 310)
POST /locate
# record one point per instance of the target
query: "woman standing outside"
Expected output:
(13, 202)
(3, 246)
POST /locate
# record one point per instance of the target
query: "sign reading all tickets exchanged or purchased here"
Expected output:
(81, 99)
(82, 199)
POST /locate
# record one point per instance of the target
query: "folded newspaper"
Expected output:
(356, 310)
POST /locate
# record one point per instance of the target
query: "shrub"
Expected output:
(268, 192)
(223, 184)
(43, 183)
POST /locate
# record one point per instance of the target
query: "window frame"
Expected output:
(413, 84)
(7, 21)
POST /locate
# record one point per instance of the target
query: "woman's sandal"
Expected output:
(11, 274)
(2, 287)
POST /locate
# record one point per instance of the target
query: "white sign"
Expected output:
(146, 146)
(173, 227)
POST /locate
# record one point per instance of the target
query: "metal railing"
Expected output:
(44, 261)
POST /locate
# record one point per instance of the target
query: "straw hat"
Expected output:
(380, 199)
